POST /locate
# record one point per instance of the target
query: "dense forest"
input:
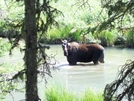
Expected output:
(77, 21)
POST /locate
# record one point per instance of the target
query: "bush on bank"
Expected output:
(70, 25)
(106, 38)
(55, 35)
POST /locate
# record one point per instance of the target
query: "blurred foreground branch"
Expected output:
(123, 87)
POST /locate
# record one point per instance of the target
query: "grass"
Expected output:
(89, 95)
(60, 93)
(56, 93)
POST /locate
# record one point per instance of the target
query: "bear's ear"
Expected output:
(69, 39)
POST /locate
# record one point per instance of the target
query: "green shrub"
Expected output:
(89, 38)
(130, 38)
(75, 34)
(65, 32)
(120, 39)
(107, 38)
(54, 35)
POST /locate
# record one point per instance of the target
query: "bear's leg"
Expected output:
(95, 58)
(95, 62)
(101, 59)
(72, 63)
(72, 60)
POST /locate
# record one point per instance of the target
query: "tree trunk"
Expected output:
(31, 51)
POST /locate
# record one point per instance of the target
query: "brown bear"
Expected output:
(76, 52)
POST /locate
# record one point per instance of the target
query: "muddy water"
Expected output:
(82, 76)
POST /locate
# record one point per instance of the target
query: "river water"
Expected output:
(89, 75)
(82, 76)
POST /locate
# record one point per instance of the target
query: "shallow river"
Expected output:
(89, 75)
(82, 76)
